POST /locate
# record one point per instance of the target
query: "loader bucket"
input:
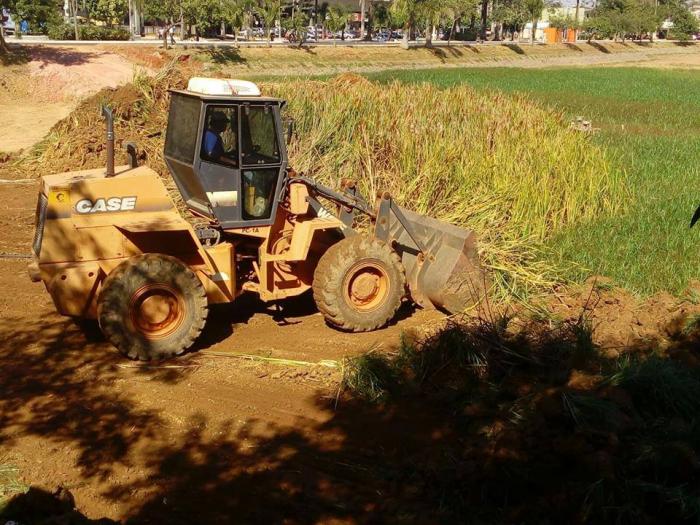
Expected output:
(450, 276)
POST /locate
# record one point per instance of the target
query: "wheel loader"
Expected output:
(111, 245)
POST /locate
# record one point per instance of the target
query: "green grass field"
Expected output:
(649, 119)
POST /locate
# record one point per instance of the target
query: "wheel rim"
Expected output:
(156, 310)
(366, 286)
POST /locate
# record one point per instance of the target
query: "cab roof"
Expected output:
(230, 98)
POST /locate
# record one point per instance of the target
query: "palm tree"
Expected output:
(236, 13)
(534, 10)
(269, 11)
(336, 20)
(408, 12)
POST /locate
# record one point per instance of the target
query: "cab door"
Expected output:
(218, 161)
(263, 162)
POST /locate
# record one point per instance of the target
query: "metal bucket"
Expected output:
(448, 275)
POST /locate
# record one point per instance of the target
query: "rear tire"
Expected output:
(359, 284)
(152, 307)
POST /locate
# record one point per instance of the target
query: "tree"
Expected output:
(620, 18)
(135, 16)
(599, 25)
(205, 15)
(73, 9)
(107, 11)
(237, 14)
(484, 19)
(685, 23)
(298, 23)
(406, 13)
(4, 48)
(362, 19)
(454, 11)
(534, 9)
(36, 13)
(269, 12)
(381, 16)
(336, 20)
(166, 11)
(512, 16)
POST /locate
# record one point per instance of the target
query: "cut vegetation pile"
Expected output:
(498, 164)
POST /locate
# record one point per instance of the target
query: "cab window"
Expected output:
(259, 136)
(259, 193)
(181, 135)
(220, 137)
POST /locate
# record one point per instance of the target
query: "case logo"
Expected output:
(106, 205)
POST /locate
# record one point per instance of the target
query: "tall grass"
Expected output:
(649, 122)
(488, 161)
(498, 164)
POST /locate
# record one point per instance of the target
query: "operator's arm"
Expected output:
(214, 149)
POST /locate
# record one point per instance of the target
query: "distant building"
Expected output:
(547, 34)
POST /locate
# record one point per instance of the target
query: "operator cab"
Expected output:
(225, 149)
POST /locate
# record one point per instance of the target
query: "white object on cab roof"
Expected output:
(223, 86)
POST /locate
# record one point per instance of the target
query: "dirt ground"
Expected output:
(36, 95)
(75, 414)
(206, 437)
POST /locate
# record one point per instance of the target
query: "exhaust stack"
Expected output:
(107, 114)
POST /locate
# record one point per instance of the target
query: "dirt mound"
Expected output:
(624, 323)
(78, 141)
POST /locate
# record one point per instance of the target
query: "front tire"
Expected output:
(359, 284)
(152, 307)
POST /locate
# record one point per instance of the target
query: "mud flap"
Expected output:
(441, 260)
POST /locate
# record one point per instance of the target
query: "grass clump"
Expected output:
(9, 484)
(370, 376)
(652, 131)
(468, 351)
(497, 164)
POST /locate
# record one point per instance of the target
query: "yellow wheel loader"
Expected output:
(111, 245)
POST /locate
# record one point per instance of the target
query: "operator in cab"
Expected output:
(213, 145)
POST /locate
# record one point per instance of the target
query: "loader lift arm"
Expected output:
(350, 201)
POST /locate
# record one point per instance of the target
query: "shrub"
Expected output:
(87, 32)
(61, 32)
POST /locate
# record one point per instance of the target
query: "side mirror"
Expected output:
(288, 129)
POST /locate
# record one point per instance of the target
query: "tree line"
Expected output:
(464, 19)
